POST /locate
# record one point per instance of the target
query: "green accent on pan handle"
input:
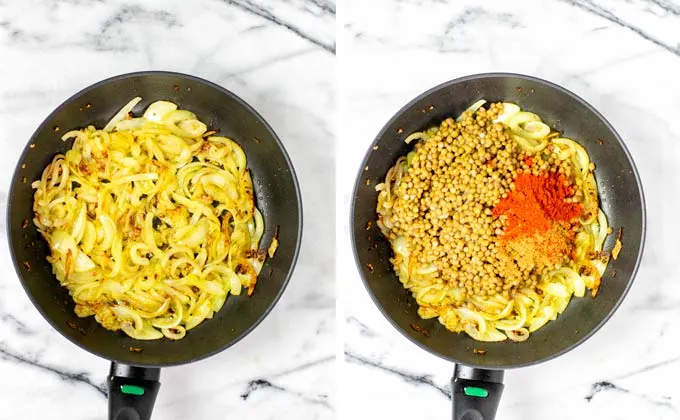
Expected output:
(132, 391)
(476, 393)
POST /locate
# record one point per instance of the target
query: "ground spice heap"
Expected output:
(541, 221)
(490, 217)
(535, 202)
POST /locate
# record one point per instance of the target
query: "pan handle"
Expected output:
(132, 391)
(476, 393)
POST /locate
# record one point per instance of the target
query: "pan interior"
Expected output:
(621, 200)
(276, 191)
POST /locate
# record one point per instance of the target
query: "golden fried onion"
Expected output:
(150, 224)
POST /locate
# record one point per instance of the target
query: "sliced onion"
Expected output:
(506, 311)
(159, 109)
(147, 232)
(218, 302)
(199, 314)
(565, 146)
(124, 111)
(545, 314)
(600, 230)
(468, 316)
(146, 333)
(514, 323)
(193, 128)
(131, 124)
(71, 134)
(214, 288)
(136, 177)
(472, 108)
(83, 263)
(555, 289)
(426, 269)
(126, 314)
(419, 135)
(519, 335)
(509, 110)
(174, 319)
(117, 255)
(529, 145)
(191, 236)
(234, 284)
(79, 224)
(62, 242)
(176, 333)
(108, 229)
(134, 254)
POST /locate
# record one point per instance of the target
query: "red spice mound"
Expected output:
(536, 202)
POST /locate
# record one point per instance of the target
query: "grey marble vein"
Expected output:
(266, 383)
(269, 61)
(10, 320)
(665, 6)
(468, 19)
(648, 368)
(300, 368)
(326, 6)
(313, 299)
(473, 15)
(607, 14)
(598, 387)
(364, 329)
(407, 377)
(17, 35)
(75, 378)
(255, 9)
(111, 37)
(20, 36)
(612, 63)
(606, 386)
(259, 384)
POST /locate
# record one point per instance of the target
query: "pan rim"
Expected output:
(551, 85)
(224, 91)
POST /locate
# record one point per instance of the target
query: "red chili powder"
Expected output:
(536, 202)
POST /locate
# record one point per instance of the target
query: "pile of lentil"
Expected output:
(491, 217)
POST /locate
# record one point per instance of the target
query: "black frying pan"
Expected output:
(277, 195)
(621, 199)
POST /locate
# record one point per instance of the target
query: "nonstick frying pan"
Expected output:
(135, 368)
(477, 382)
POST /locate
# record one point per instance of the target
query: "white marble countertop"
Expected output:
(622, 56)
(276, 55)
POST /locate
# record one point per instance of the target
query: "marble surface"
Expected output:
(622, 56)
(278, 56)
